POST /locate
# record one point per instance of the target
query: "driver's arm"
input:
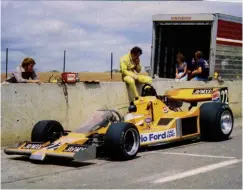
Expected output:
(124, 71)
(138, 67)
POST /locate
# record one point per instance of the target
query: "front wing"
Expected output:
(40, 150)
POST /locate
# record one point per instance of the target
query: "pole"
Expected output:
(64, 61)
(111, 64)
(6, 63)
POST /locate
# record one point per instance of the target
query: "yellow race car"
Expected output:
(151, 120)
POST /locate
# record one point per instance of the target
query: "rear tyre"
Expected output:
(122, 141)
(46, 130)
(216, 121)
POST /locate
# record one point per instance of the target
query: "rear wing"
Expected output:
(190, 95)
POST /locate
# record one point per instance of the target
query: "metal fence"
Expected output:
(64, 63)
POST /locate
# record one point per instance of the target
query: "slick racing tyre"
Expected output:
(216, 121)
(46, 130)
(122, 141)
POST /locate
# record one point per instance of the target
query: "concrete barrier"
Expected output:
(25, 104)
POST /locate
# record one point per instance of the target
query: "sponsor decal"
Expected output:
(165, 109)
(73, 148)
(180, 18)
(53, 146)
(35, 146)
(216, 95)
(148, 122)
(71, 77)
(202, 91)
(158, 136)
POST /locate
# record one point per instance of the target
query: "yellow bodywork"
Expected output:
(192, 94)
(45, 149)
(157, 110)
(155, 122)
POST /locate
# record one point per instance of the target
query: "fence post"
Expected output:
(6, 63)
(64, 61)
(111, 63)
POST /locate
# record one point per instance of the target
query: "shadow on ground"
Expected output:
(170, 145)
(180, 144)
(54, 161)
(76, 164)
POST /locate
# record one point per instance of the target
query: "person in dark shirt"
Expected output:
(191, 67)
(200, 69)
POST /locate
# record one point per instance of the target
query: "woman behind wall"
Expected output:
(24, 73)
(181, 68)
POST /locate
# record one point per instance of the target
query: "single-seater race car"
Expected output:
(151, 120)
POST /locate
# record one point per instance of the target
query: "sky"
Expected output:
(88, 30)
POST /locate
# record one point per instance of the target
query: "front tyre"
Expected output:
(122, 141)
(216, 121)
(46, 130)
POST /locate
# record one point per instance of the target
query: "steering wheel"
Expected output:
(112, 115)
(148, 92)
(116, 117)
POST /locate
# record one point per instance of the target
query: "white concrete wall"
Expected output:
(25, 104)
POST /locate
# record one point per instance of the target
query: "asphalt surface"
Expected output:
(197, 165)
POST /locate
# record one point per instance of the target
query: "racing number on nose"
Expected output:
(224, 96)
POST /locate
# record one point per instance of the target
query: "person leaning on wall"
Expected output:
(24, 73)
(130, 66)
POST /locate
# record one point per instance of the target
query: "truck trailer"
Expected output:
(218, 36)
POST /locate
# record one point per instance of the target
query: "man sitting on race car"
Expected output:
(130, 67)
(201, 68)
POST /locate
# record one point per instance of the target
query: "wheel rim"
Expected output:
(226, 122)
(131, 141)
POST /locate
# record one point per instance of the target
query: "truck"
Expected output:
(218, 36)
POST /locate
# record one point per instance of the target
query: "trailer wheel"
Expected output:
(46, 130)
(122, 141)
(216, 121)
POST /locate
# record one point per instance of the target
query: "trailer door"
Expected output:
(171, 37)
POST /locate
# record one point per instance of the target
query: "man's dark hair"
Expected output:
(135, 50)
(199, 54)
